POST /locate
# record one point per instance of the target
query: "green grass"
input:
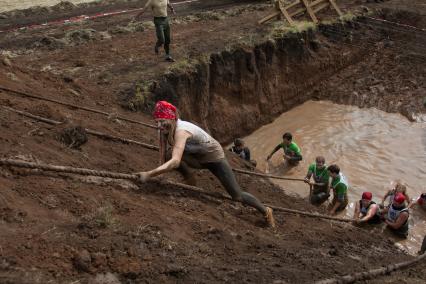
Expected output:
(280, 29)
(188, 64)
(142, 94)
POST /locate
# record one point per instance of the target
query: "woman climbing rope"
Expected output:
(193, 147)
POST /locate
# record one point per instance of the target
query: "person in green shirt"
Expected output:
(292, 152)
(320, 186)
(340, 186)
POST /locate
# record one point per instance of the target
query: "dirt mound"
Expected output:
(73, 136)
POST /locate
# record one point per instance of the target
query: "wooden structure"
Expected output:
(299, 7)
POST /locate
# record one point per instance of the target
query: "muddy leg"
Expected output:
(224, 173)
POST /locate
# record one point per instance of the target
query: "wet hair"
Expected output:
(401, 188)
(238, 142)
(334, 169)
(288, 136)
(320, 159)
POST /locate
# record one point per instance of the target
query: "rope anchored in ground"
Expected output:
(135, 178)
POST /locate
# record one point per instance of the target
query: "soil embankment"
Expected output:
(60, 228)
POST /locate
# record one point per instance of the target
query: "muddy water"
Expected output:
(6, 5)
(372, 148)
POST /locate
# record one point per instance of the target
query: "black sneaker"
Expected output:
(169, 58)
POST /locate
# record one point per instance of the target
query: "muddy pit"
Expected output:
(369, 145)
(65, 229)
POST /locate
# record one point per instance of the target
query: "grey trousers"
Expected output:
(223, 171)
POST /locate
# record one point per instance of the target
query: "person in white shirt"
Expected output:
(192, 146)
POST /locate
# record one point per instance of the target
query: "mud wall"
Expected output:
(238, 91)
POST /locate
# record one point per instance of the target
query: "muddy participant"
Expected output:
(399, 188)
(421, 202)
(321, 179)
(423, 248)
(366, 210)
(193, 147)
(339, 185)
(292, 152)
(397, 216)
(161, 22)
(240, 149)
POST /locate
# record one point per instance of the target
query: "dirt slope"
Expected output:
(62, 229)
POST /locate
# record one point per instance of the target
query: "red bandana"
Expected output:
(164, 110)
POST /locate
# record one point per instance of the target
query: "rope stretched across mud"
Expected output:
(130, 141)
(371, 273)
(76, 106)
(135, 178)
(89, 131)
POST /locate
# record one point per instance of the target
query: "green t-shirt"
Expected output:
(320, 176)
(340, 186)
(291, 149)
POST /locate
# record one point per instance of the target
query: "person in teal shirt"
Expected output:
(320, 186)
(292, 152)
(340, 186)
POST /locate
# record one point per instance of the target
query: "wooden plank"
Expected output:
(300, 11)
(310, 12)
(336, 7)
(267, 18)
(320, 7)
(285, 13)
(293, 4)
(316, 2)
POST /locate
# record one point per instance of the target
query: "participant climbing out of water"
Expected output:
(241, 150)
(339, 185)
(321, 181)
(397, 216)
(398, 188)
(366, 210)
(421, 202)
(292, 152)
(193, 147)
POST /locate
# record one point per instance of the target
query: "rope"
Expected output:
(265, 175)
(130, 141)
(133, 177)
(75, 106)
(371, 273)
(89, 131)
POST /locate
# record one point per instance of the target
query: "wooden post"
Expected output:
(284, 12)
(336, 7)
(310, 12)
(305, 6)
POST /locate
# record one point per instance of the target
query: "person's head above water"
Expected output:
(366, 198)
(399, 199)
(334, 170)
(239, 143)
(320, 162)
(401, 188)
(287, 138)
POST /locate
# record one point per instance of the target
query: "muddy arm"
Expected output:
(399, 222)
(174, 162)
(273, 151)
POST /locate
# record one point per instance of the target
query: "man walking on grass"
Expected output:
(162, 26)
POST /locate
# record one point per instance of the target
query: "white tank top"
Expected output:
(201, 144)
